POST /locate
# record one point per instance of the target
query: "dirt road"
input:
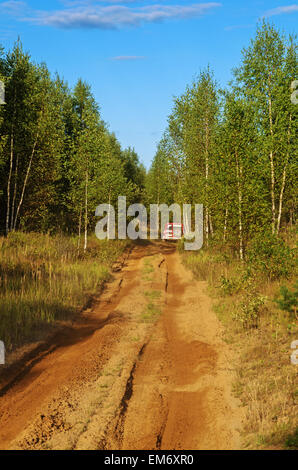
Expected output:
(144, 368)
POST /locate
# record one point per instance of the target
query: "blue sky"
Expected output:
(137, 55)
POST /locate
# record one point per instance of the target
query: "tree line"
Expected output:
(58, 159)
(235, 150)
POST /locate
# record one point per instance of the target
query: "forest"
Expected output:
(235, 150)
(58, 157)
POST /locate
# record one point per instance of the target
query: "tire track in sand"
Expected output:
(180, 394)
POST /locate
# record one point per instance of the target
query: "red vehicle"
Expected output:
(172, 231)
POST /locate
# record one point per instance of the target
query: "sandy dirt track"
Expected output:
(144, 368)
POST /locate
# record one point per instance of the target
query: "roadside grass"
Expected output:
(261, 335)
(44, 280)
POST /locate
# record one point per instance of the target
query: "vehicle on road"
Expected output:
(173, 231)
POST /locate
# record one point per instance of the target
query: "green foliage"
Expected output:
(159, 186)
(58, 160)
(249, 308)
(151, 312)
(134, 171)
(235, 151)
(229, 286)
(271, 256)
(292, 441)
(288, 299)
(153, 295)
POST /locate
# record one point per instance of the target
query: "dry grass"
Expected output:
(43, 279)
(266, 379)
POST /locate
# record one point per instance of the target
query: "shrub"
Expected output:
(270, 255)
(288, 299)
(229, 286)
(292, 441)
(249, 309)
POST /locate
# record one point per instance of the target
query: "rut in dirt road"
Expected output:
(144, 368)
(180, 387)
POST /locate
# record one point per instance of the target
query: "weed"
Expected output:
(292, 441)
(249, 309)
(153, 295)
(43, 279)
(288, 300)
(151, 312)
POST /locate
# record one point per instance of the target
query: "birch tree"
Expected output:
(268, 66)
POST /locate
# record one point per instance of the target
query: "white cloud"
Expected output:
(12, 7)
(116, 16)
(282, 10)
(75, 3)
(128, 57)
(238, 26)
